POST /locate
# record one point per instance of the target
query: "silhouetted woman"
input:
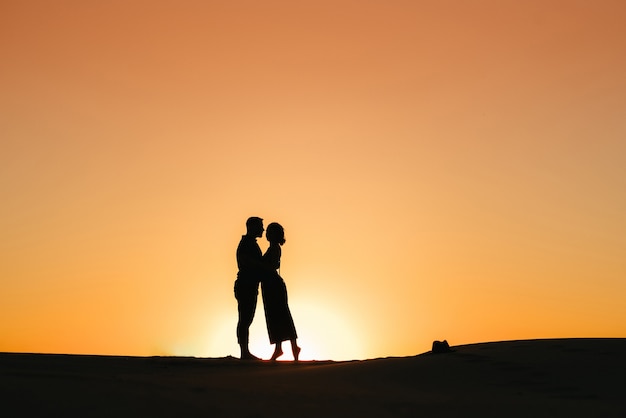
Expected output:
(280, 326)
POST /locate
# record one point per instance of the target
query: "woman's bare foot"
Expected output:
(277, 353)
(296, 353)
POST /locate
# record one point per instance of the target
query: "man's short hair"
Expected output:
(253, 221)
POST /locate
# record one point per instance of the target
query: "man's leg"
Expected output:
(247, 300)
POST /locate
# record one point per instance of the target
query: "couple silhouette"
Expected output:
(257, 268)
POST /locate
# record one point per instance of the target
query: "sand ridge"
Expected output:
(560, 377)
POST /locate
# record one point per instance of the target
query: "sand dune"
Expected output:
(530, 378)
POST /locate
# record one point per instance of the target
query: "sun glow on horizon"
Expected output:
(322, 335)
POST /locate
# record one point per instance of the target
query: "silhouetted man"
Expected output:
(250, 263)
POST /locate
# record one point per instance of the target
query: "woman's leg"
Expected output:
(295, 349)
(278, 351)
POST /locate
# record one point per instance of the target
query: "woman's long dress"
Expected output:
(280, 326)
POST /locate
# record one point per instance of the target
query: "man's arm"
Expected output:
(249, 257)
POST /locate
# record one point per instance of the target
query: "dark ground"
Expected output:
(530, 378)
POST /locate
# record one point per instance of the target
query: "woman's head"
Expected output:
(275, 233)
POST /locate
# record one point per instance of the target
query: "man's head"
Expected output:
(254, 226)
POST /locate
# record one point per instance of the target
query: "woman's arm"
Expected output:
(272, 257)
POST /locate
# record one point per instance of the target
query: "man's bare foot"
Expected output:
(296, 353)
(249, 356)
(277, 353)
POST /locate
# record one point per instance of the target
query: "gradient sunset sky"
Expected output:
(443, 170)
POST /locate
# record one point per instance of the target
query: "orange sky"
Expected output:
(443, 169)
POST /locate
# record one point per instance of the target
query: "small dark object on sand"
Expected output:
(440, 347)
